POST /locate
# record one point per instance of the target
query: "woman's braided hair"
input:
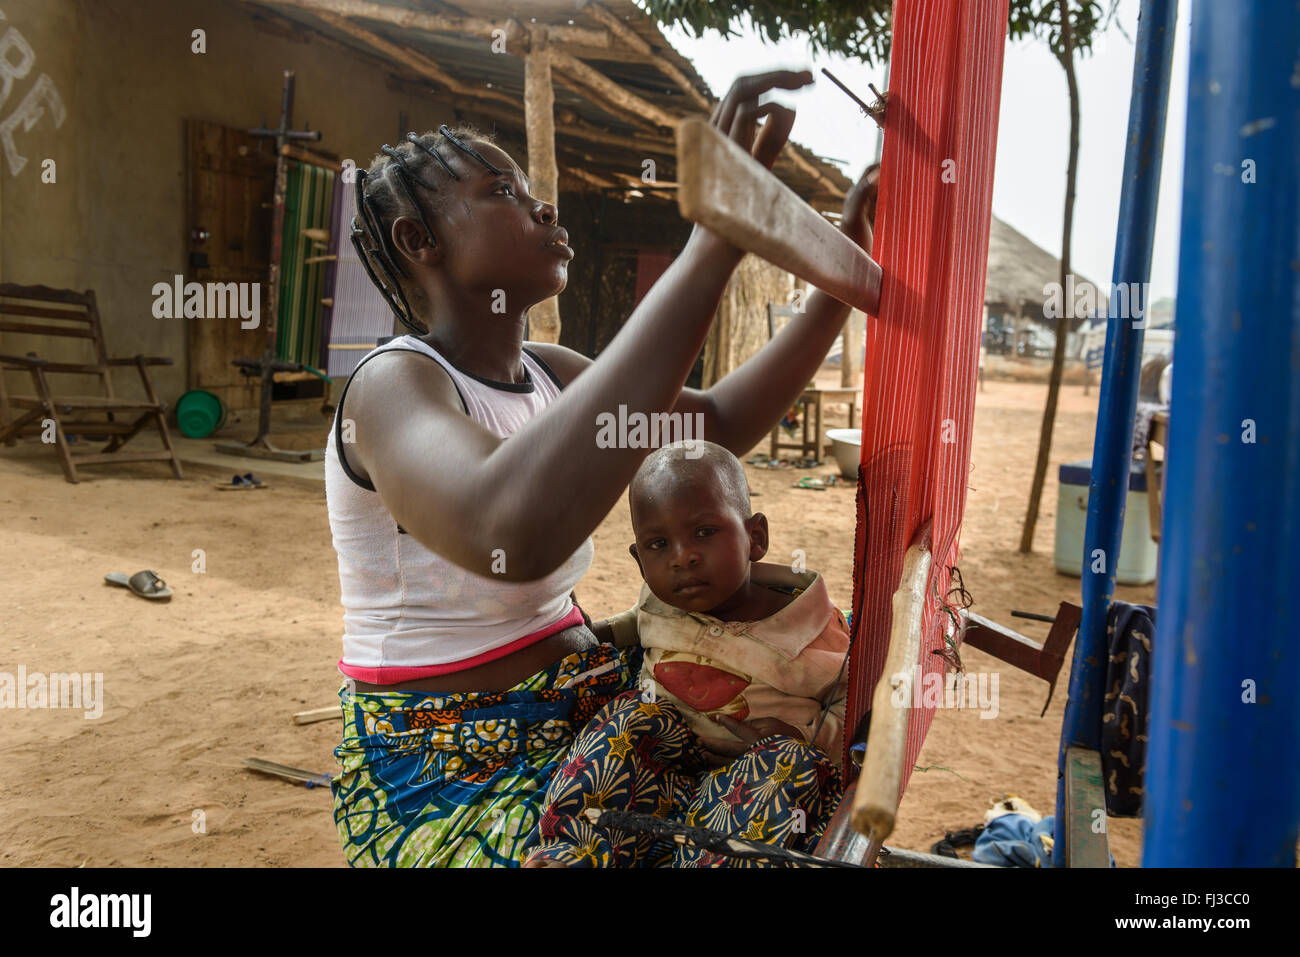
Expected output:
(387, 191)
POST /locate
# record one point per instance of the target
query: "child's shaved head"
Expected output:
(692, 463)
(695, 535)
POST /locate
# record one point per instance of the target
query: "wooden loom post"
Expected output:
(261, 446)
(539, 121)
(277, 252)
(875, 801)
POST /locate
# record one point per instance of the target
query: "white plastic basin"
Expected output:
(847, 444)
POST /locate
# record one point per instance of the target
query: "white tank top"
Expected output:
(406, 606)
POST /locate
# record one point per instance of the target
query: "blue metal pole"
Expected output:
(1120, 378)
(1223, 772)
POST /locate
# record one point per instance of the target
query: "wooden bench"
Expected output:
(813, 444)
(64, 313)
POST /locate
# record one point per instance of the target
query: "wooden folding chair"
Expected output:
(75, 316)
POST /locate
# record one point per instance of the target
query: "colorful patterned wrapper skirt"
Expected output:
(456, 780)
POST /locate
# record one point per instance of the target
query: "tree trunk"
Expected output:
(1063, 320)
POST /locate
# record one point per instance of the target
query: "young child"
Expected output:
(742, 674)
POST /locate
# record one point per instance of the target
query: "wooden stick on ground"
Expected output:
(297, 775)
(875, 803)
(318, 714)
(728, 191)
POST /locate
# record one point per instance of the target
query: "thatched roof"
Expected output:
(605, 52)
(1018, 270)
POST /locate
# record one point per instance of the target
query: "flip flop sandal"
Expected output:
(809, 482)
(146, 584)
(242, 483)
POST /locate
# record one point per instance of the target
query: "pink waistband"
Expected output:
(397, 675)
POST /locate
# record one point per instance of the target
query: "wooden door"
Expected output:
(231, 181)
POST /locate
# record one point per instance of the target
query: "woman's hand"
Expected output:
(736, 117)
(719, 751)
(601, 629)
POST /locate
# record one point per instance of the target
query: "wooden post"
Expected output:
(851, 340)
(277, 241)
(539, 122)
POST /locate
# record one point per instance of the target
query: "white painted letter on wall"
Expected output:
(28, 113)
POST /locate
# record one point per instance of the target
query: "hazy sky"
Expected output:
(1033, 134)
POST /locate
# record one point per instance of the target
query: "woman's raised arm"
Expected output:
(532, 500)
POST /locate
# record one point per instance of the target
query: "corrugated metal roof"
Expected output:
(467, 57)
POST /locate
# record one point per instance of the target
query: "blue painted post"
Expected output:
(1223, 772)
(1120, 376)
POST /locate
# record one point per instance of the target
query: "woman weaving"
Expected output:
(469, 667)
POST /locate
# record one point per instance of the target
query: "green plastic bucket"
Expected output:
(199, 414)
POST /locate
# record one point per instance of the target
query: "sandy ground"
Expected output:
(194, 685)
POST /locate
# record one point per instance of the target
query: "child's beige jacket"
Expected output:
(788, 666)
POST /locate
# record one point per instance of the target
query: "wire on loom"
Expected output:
(964, 598)
(949, 653)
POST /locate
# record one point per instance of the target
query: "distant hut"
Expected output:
(1016, 320)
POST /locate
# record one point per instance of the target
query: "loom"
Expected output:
(1230, 519)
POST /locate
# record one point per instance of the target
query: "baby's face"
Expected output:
(693, 546)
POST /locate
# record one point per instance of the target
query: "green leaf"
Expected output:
(860, 29)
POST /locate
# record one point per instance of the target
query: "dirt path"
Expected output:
(194, 685)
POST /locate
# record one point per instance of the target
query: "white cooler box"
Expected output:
(1138, 551)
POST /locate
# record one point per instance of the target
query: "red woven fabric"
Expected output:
(932, 228)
